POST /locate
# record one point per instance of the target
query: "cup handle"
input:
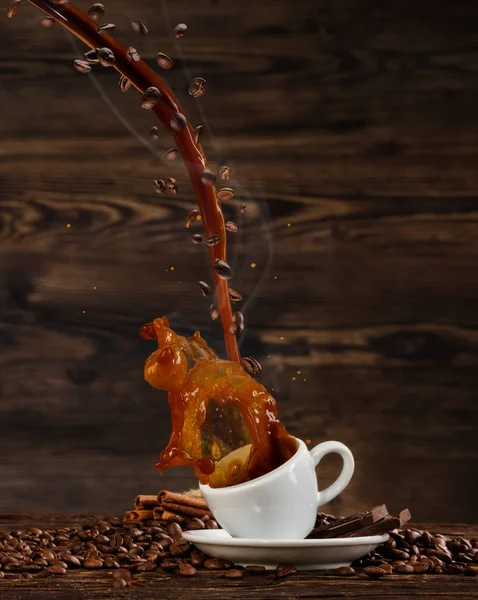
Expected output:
(345, 476)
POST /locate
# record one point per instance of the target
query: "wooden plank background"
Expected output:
(352, 128)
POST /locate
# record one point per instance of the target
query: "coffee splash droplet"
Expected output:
(213, 312)
(180, 30)
(96, 11)
(198, 133)
(139, 27)
(106, 57)
(124, 83)
(197, 87)
(178, 122)
(238, 320)
(46, 21)
(171, 154)
(225, 172)
(132, 54)
(234, 296)
(106, 28)
(191, 218)
(222, 269)
(251, 365)
(225, 193)
(233, 329)
(213, 240)
(154, 132)
(150, 97)
(172, 185)
(205, 288)
(92, 56)
(208, 177)
(159, 186)
(231, 227)
(197, 238)
(164, 61)
(82, 66)
(13, 8)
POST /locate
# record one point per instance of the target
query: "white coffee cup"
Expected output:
(283, 503)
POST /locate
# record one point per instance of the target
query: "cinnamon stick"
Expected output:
(138, 515)
(158, 513)
(145, 501)
(184, 510)
(166, 496)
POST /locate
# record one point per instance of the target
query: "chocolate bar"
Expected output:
(345, 527)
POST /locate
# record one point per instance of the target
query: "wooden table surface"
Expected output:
(93, 585)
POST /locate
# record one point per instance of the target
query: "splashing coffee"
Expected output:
(224, 423)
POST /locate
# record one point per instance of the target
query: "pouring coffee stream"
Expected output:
(206, 395)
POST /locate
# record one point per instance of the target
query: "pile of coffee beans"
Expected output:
(130, 548)
(412, 550)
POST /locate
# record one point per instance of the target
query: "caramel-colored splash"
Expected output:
(224, 423)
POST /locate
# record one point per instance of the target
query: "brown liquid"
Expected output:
(188, 369)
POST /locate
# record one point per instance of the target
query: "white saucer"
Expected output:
(304, 554)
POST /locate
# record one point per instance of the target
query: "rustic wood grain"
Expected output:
(352, 129)
(304, 584)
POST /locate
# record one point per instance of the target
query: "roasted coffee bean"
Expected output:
(132, 54)
(172, 185)
(186, 570)
(208, 177)
(96, 11)
(13, 8)
(57, 569)
(179, 547)
(139, 28)
(385, 567)
(164, 61)
(255, 569)
(243, 209)
(122, 574)
(231, 227)
(171, 154)
(199, 130)
(191, 218)
(159, 186)
(251, 365)
(214, 314)
(225, 193)
(169, 564)
(92, 563)
(225, 172)
(344, 571)
(454, 568)
(150, 97)
(154, 132)
(197, 87)
(146, 566)
(197, 238)
(111, 563)
(119, 584)
(82, 66)
(106, 57)
(43, 574)
(233, 574)
(205, 291)
(46, 21)
(178, 122)
(284, 571)
(92, 56)
(194, 524)
(399, 555)
(214, 564)
(106, 28)
(222, 269)
(374, 572)
(180, 30)
(124, 83)
(213, 240)
(234, 296)
(197, 558)
(404, 569)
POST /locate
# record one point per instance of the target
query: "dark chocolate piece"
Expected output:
(346, 526)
